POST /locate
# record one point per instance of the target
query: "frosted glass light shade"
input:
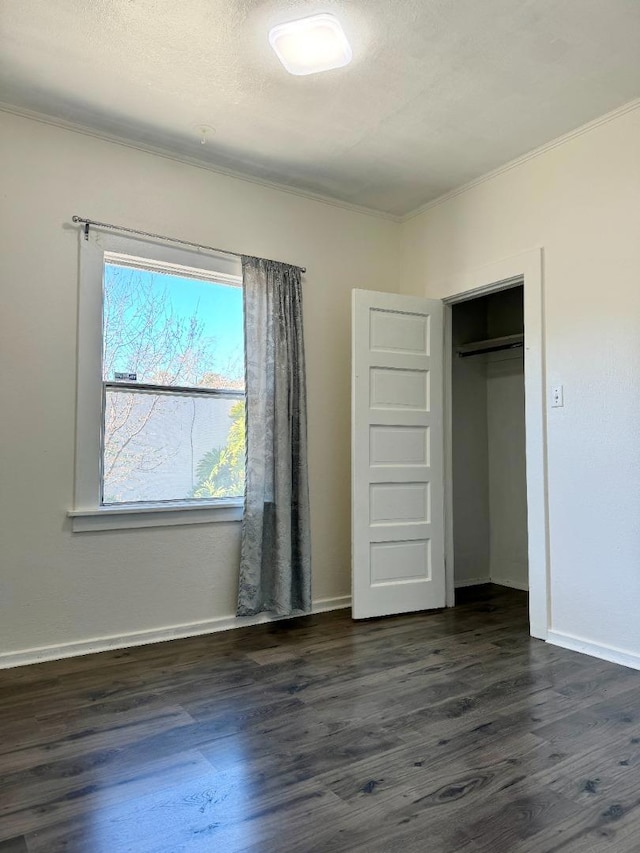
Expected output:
(310, 45)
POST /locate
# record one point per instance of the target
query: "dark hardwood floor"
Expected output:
(447, 731)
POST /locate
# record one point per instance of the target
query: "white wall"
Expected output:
(59, 587)
(581, 202)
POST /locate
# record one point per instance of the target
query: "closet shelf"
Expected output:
(490, 345)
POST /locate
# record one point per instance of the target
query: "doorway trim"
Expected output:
(525, 269)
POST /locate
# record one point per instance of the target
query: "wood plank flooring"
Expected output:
(448, 731)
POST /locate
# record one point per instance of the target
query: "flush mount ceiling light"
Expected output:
(310, 45)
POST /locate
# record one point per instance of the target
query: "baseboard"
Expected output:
(498, 581)
(155, 635)
(511, 583)
(595, 650)
(471, 582)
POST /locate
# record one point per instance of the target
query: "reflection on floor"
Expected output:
(446, 731)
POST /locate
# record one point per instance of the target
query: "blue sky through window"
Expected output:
(219, 307)
(147, 323)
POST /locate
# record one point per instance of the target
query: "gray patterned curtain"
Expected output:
(275, 564)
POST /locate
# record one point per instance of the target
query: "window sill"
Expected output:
(130, 516)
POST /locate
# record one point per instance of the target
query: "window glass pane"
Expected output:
(160, 447)
(167, 329)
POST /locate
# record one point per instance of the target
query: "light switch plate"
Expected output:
(557, 396)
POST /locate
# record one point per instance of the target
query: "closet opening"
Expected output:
(488, 482)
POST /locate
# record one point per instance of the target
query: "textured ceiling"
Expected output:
(439, 91)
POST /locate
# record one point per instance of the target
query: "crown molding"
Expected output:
(159, 151)
(629, 107)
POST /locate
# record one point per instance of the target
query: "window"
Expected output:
(160, 428)
(173, 379)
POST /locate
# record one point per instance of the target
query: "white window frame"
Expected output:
(88, 514)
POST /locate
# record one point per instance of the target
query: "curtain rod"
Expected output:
(108, 226)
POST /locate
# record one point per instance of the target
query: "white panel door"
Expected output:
(397, 454)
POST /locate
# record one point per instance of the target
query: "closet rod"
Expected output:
(109, 227)
(497, 348)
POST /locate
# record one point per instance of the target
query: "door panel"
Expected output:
(398, 445)
(398, 503)
(398, 331)
(393, 388)
(400, 561)
(397, 454)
